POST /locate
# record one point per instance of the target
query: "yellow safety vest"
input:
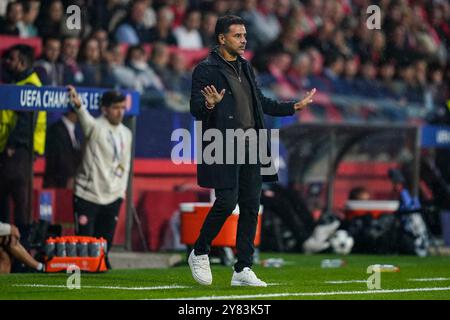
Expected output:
(8, 119)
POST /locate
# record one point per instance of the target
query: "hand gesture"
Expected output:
(305, 101)
(211, 95)
(74, 98)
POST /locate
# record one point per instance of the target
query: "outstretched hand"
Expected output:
(74, 98)
(305, 101)
(211, 95)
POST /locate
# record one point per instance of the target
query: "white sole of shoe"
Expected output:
(235, 283)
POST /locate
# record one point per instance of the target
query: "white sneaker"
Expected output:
(312, 245)
(324, 231)
(246, 278)
(318, 241)
(201, 272)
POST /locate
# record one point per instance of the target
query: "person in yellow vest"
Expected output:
(22, 134)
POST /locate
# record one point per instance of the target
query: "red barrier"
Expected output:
(7, 41)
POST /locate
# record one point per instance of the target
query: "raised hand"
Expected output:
(305, 101)
(211, 95)
(74, 98)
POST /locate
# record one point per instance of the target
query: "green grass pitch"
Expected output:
(300, 278)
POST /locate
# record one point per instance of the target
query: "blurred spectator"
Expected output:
(51, 19)
(207, 29)
(69, 54)
(62, 153)
(323, 39)
(94, 70)
(188, 35)
(108, 14)
(222, 7)
(179, 9)
(276, 77)
(149, 15)
(132, 29)
(408, 87)
(365, 82)
(359, 193)
(317, 61)
(146, 81)
(49, 67)
(348, 83)
(386, 77)
(300, 71)
(22, 135)
(329, 80)
(179, 82)
(435, 94)
(10, 24)
(265, 24)
(179, 76)
(31, 12)
(162, 31)
(102, 37)
(248, 14)
(122, 76)
(159, 61)
(287, 41)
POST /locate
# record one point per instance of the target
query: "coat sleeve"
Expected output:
(200, 79)
(20, 135)
(270, 106)
(87, 121)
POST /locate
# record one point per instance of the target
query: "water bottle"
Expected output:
(94, 248)
(50, 248)
(82, 248)
(71, 248)
(104, 245)
(61, 248)
(273, 263)
(384, 268)
(332, 263)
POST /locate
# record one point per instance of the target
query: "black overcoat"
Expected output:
(211, 71)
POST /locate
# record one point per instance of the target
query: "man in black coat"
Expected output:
(225, 97)
(63, 153)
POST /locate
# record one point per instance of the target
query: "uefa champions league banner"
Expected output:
(435, 136)
(56, 99)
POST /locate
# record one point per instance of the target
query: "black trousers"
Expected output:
(247, 194)
(96, 220)
(14, 181)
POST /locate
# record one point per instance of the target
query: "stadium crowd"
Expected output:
(295, 45)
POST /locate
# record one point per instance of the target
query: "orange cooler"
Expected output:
(194, 213)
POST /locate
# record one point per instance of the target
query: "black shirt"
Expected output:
(242, 92)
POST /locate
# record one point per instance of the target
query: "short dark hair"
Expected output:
(356, 193)
(223, 24)
(11, 4)
(26, 53)
(111, 97)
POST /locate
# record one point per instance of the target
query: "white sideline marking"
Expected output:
(102, 287)
(346, 281)
(429, 279)
(304, 294)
